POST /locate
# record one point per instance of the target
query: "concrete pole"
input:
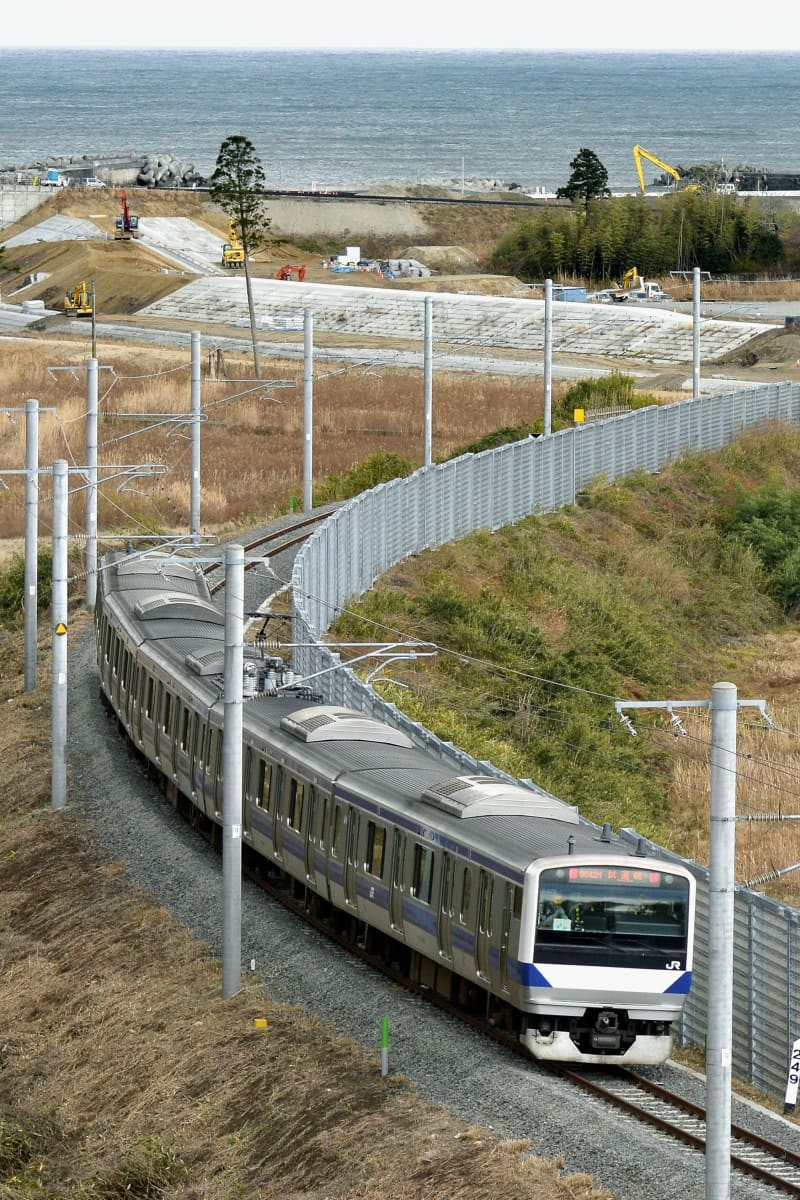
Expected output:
(548, 355)
(308, 410)
(696, 333)
(58, 707)
(720, 941)
(194, 502)
(232, 773)
(427, 424)
(30, 599)
(91, 480)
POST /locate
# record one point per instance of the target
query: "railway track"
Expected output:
(648, 1102)
(678, 1117)
(274, 542)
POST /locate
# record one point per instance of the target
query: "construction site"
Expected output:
(173, 262)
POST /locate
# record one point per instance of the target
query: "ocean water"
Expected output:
(347, 119)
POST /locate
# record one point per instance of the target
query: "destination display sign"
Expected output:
(620, 875)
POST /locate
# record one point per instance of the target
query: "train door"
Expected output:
(445, 922)
(505, 933)
(483, 934)
(351, 862)
(277, 809)
(396, 881)
(315, 831)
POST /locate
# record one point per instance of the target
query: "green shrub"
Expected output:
(12, 587)
(379, 468)
(766, 522)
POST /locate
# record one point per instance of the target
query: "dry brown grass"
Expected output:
(252, 439)
(124, 1073)
(768, 769)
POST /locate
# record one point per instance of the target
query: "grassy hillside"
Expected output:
(651, 588)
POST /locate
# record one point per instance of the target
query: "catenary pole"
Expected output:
(58, 792)
(308, 410)
(427, 434)
(720, 941)
(194, 518)
(232, 773)
(696, 333)
(548, 355)
(91, 482)
(31, 578)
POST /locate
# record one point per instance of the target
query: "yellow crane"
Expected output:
(639, 154)
(232, 251)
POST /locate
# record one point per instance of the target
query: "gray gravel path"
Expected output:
(453, 1065)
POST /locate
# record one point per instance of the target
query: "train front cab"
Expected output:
(605, 958)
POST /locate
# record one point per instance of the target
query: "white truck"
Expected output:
(53, 179)
(646, 291)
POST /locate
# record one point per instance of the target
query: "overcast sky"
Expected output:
(424, 24)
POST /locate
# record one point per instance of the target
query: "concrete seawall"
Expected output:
(18, 199)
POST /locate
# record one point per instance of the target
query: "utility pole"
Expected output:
(194, 517)
(724, 707)
(30, 602)
(91, 483)
(232, 773)
(427, 424)
(58, 790)
(696, 333)
(308, 410)
(548, 355)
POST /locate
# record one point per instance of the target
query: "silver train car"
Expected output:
(494, 895)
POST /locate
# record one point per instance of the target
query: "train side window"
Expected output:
(322, 822)
(202, 737)
(184, 728)
(422, 879)
(262, 783)
(336, 832)
(518, 903)
(297, 793)
(166, 717)
(376, 849)
(148, 698)
(485, 903)
(466, 893)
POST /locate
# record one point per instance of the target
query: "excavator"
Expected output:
(639, 154)
(233, 251)
(290, 272)
(77, 303)
(127, 225)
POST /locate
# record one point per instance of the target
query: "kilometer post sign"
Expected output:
(790, 1102)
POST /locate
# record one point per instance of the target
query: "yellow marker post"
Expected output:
(261, 1022)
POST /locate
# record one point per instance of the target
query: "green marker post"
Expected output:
(384, 1047)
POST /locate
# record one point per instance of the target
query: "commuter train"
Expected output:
(497, 896)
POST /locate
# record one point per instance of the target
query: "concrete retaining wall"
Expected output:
(19, 199)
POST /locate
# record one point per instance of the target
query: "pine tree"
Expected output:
(238, 187)
(589, 178)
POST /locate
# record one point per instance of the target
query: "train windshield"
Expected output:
(612, 916)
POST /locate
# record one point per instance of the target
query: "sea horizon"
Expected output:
(341, 118)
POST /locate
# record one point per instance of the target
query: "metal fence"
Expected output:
(442, 503)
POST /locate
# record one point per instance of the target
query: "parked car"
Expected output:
(94, 183)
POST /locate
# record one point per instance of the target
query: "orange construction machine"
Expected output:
(290, 272)
(127, 225)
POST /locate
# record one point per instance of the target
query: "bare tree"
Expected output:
(238, 187)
